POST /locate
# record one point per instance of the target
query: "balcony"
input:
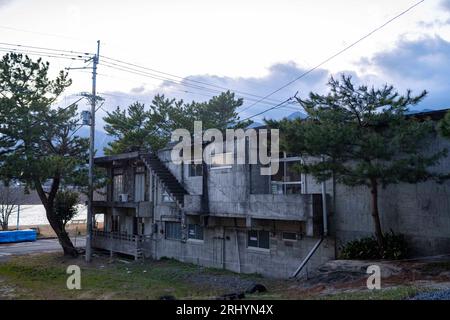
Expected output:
(299, 207)
(129, 244)
(143, 209)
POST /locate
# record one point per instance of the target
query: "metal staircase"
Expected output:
(170, 182)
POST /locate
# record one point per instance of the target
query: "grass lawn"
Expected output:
(44, 276)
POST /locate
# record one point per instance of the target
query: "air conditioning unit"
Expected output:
(123, 197)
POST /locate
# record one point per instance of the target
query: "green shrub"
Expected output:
(396, 248)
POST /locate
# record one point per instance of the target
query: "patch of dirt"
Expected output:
(7, 292)
(225, 283)
(350, 276)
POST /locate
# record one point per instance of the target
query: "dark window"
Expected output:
(290, 236)
(173, 230)
(195, 170)
(258, 239)
(195, 231)
(139, 226)
(114, 223)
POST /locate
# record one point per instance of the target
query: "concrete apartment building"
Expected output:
(232, 217)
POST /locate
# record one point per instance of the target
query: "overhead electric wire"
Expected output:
(181, 90)
(261, 100)
(44, 48)
(176, 82)
(42, 54)
(162, 78)
(78, 55)
(278, 106)
(146, 74)
(333, 56)
(186, 79)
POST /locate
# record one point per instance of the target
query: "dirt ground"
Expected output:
(43, 276)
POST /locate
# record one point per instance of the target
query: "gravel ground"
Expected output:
(437, 295)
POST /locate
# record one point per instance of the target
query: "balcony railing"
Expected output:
(121, 236)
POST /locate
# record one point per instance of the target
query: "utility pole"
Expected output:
(90, 212)
(18, 216)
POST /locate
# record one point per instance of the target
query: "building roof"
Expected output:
(432, 114)
(118, 157)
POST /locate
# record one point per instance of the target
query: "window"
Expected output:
(258, 239)
(222, 161)
(166, 197)
(173, 230)
(139, 187)
(195, 170)
(195, 232)
(287, 180)
(290, 236)
(118, 187)
(139, 226)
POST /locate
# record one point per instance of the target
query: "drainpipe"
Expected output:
(325, 230)
(205, 191)
(223, 248)
(238, 251)
(324, 209)
(153, 195)
(324, 206)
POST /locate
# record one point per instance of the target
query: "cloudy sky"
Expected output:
(251, 46)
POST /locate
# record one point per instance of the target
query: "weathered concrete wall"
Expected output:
(420, 211)
(226, 247)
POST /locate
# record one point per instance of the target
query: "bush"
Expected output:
(367, 248)
(396, 246)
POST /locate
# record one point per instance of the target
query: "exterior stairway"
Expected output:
(175, 189)
(139, 255)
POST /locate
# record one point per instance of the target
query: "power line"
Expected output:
(44, 48)
(334, 55)
(78, 55)
(185, 79)
(42, 54)
(162, 78)
(149, 75)
(278, 106)
(181, 90)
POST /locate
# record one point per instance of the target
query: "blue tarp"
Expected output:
(18, 236)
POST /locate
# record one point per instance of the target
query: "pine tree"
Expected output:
(137, 128)
(362, 137)
(37, 146)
